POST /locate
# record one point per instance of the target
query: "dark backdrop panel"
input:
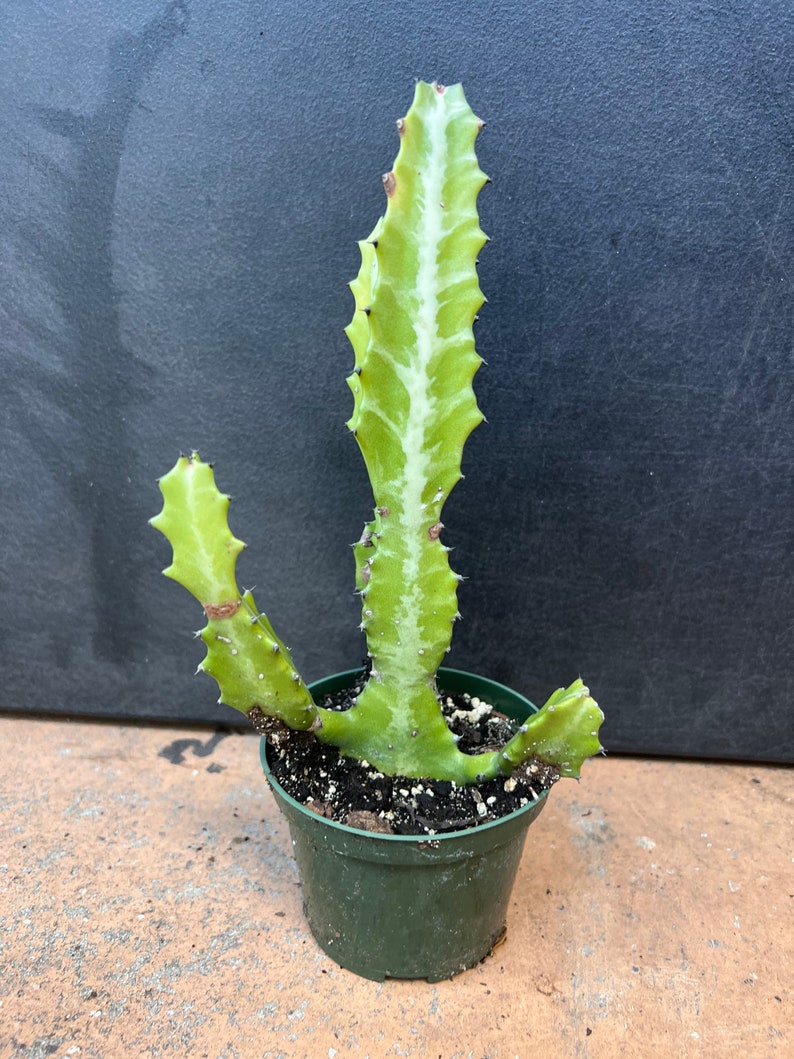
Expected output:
(182, 187)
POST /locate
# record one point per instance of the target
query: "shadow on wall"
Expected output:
(101, 380)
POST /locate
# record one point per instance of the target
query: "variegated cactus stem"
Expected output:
(417, 296)
(416, 300)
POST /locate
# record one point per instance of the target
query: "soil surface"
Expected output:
(357, 794)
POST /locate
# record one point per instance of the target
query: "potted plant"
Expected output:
(428, 904)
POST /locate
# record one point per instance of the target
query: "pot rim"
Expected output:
(422, 840)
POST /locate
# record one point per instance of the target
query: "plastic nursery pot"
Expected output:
(406, 906)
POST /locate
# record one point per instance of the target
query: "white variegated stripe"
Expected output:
(417, 450)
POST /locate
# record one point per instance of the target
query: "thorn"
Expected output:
(401, 126)
(389, 183)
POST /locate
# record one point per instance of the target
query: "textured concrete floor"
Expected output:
(149, 906)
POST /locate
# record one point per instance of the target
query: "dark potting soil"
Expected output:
(357, 794)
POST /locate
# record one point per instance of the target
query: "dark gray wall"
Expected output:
(182, 187)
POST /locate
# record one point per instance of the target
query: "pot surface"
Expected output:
(407, 906)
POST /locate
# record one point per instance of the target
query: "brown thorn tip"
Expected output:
(389, 183)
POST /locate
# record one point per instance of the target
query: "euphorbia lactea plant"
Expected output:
(416, 299)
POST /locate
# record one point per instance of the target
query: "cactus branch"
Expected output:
(564, 733)
(250, 663)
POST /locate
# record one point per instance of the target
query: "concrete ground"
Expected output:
(149, 906)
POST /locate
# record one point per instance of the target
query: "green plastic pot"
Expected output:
(406, 906)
